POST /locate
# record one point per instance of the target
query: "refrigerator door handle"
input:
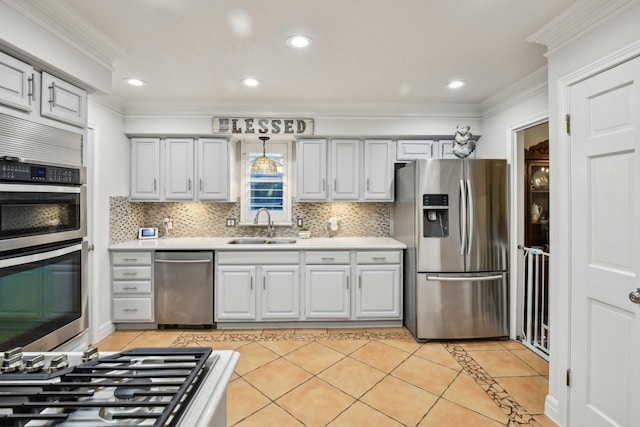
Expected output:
(465, 278)
(470, 214)
(463, 218)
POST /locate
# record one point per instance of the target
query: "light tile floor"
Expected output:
(366, 377)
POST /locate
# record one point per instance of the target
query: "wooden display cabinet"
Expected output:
(537, 196)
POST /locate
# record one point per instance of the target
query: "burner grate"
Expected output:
(148, 386)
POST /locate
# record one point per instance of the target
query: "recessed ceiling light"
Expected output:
(251, 82)
(299, 42)
(135, 82)
(456, 84)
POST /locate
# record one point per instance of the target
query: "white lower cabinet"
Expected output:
(378, 289)
(247, 280)
(132, 287)
(280, 295)
(327, 286)
(236, 298)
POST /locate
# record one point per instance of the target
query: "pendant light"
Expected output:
(264, 164)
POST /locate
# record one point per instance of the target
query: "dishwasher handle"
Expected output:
(184, 261)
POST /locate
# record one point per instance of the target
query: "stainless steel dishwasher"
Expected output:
(183, 284)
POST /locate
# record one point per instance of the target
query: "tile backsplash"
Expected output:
(192, 219)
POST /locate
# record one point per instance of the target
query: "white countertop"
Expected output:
(222, 244)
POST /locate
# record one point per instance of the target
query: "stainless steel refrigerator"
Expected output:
(453, 216)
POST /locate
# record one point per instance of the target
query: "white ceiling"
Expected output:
(194, 53)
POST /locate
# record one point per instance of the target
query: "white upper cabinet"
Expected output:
(178, 173)
(414, 149)
(145, 169)
(312, 169)
(378, 170)
(345, 169)
(63, 101)
(333, 169)
(17, 85)
(212, 169)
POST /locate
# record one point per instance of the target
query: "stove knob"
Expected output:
(35, 364)
(58, 362)
(12, 360)
(90, 354)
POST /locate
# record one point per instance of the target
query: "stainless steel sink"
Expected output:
(280, 241)
(247, 242)
(250, 241)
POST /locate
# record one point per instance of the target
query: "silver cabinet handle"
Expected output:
(634, 296)
(335, 184)
(264, 282)
(155, 184)
(368, 184)
(379, 258)
(328, 259)
(130, 259)
(251, 283)
(200, 184)
(32, 87)
(52, 94)
(129, 288)
(347, 282)
(130, 310)
(129, 273)
(189, 184)
(324, 184)
(360, 281)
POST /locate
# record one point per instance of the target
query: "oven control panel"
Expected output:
(11, 171)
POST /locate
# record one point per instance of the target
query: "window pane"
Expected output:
(266, 195)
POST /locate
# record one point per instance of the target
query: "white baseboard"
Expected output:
(552, 409)
(103, 331)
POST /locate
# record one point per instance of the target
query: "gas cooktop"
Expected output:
(142, 386)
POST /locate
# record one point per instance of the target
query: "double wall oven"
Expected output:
(43, 275)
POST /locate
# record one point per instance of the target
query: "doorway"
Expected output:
(530, 195)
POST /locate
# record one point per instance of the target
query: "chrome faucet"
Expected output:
(270, 228)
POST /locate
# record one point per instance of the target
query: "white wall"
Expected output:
(111, 178)
(618, 38)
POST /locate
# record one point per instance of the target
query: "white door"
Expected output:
(327, 292)
(312, 169)
(378, 291)
(236, 295)
(145, 169)
(213, 166)
(605, 234)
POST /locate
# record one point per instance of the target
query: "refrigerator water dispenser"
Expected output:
(435, 215)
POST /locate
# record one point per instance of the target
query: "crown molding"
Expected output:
(523, 89)
(66, 24)
(579, 19)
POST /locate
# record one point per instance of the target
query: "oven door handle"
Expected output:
(41, 256)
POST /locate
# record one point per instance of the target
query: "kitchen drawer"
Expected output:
(133, 287)
(132, 310)
(378, 257)
(132, 258)
(327, 257)
(132, 273)
(259, 257)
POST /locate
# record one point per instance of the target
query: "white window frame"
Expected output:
(282, 217)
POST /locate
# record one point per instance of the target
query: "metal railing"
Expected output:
(536, 301)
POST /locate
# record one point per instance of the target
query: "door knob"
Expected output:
(634, 296)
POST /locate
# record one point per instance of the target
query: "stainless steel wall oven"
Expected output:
(43, 275)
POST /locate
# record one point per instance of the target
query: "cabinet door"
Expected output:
(280, 292)
(312, 169)
(236, 294)
(345, 169)
(378, 170)
(414, 149)
(145, 169)
(178, 172)
(17, 83)
(378, 291)
(327, 292)
(213, 169)
(63, 101)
